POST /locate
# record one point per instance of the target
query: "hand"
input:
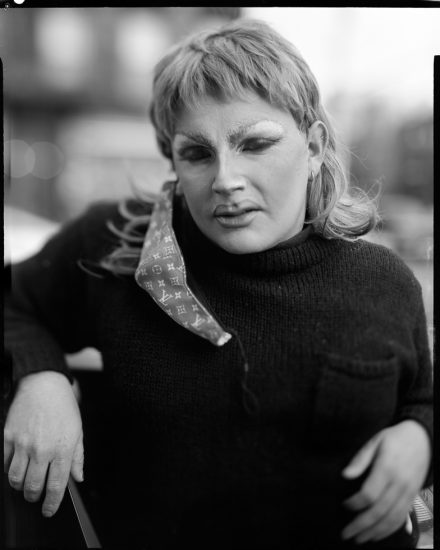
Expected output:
(43, 436)
(400, 458)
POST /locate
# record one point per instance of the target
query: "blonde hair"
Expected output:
(248, 55)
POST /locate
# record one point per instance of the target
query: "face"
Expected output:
(243, 167)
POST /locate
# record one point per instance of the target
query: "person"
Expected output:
(266, 373)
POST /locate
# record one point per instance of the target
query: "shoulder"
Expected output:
(379, 264)
(89, 235)
(99, 213)
(89, 231)
(95, 222)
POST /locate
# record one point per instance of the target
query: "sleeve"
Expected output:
(418, 402)
(46, 303)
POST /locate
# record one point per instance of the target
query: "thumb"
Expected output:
(77, 466)
(363, 458)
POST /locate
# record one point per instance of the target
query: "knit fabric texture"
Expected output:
(334, 337)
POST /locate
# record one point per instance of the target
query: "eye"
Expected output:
(257, 144)
(195, 153)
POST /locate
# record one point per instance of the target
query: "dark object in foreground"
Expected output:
(25, 526)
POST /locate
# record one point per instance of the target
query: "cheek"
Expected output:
(287, 179)
(295, 160)
(192, 178)
(289, 161)
(195, 197)
(190, 182)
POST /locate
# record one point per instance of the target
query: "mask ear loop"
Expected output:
(310, 180)
(249, 399)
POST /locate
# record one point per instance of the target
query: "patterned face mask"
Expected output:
(162, 273)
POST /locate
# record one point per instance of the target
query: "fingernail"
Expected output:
(47, 513)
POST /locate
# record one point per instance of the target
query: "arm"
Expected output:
(400, 456)
(418, 403)
(46, 315)
(46, 304)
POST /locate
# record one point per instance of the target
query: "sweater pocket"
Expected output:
(354, 399)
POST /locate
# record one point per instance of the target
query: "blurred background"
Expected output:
(77, 85)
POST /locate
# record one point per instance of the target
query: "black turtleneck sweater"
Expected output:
(334, 333)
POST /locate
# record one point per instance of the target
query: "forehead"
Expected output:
(211, 115)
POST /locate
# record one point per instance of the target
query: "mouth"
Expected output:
(233, 216)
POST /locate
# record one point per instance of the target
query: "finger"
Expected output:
(56, 484)
(373, 487)
(35, 478)
(370, 517)
(394, 519)
(362, 459)
(77, 468)
(17, 469)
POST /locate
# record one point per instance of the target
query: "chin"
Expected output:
(237, 245)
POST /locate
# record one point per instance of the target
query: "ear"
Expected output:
(317, 141)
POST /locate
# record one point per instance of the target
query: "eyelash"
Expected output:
(197, 153)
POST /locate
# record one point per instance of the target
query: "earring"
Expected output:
(312, 176)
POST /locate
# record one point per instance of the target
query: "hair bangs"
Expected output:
(224, 70)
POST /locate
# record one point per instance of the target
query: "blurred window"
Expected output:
(64, 42)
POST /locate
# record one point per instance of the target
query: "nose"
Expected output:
(228, 177)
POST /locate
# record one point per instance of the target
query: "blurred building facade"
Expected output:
(77, 85)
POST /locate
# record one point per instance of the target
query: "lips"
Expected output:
(232, 210)
(236, 216)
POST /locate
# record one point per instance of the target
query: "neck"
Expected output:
(302, 249)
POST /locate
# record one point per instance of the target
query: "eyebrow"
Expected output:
(233, 137)
(196, 136)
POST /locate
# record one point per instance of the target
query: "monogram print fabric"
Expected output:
(162, 273)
